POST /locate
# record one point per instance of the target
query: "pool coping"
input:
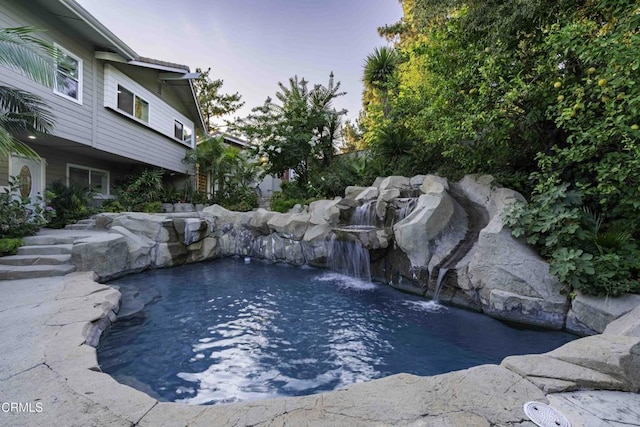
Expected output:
(78, 393)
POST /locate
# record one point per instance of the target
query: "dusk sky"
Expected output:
(254, 44)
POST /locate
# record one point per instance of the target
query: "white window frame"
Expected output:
(90, 169)
(80, 76)
(135, 97)
(188, 141)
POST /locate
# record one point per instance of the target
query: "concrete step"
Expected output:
(35, 259)
(83, 224)
(35, 271)
(45, 249)
(264, 203)
(48, 240)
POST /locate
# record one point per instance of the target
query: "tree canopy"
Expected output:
(542, 94)
(298, 130)
(214, 104)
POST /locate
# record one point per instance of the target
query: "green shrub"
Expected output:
(583, 251)
(281, 203)
(152, 207)
(137, 190)
(242, 200)
(71, 203)
(330, 181)
(10, 246)
(18, 216)
(112, 205)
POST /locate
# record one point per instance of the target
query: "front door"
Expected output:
(32, 176)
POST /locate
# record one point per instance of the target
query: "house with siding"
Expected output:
(116, 111)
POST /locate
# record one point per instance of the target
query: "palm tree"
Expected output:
(227, 166)
(206, 157)
(21, 112)
(378, 70)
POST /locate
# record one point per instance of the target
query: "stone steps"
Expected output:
(13, 272)
(54, 249)
(83, 224)
(264, 203)
(17, 260)
(48, 239)
(41, 256)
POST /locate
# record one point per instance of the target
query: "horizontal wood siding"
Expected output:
(161, 115)
(73, 120)
(121, 134)
(148, 78)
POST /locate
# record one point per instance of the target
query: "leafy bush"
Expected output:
(583, 251)
(71, 203)
(152, 207)
(140, 189)
(18, 216)
(10, 246)
(112, 205)
(291, 195)
(242, 200)
(330, 181)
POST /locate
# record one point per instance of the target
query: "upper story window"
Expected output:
(182, 132)
(68, 82)
(132, 104)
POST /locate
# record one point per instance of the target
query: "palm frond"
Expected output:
(379, 66)
(22, 112)
(9, 145)
(23, 52)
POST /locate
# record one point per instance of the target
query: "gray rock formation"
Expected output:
(494, 272)
(590, 315)
(416, 233)
(107, 255)
(506, 276)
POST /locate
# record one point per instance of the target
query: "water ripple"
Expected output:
(241, 332)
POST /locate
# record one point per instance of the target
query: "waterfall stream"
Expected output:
(365, 214)
(439, 283)
(349, 258)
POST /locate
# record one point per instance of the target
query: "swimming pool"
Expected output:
(226, 331)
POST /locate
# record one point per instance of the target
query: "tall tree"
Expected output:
(21, 112)
(352, 137)
(299, 130)
(214, 104)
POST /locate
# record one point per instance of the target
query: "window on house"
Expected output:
(141, 110)
(96, 179)
(132, 104)
(182, 132)
(68, 81)
(178, 129)
(188, 134)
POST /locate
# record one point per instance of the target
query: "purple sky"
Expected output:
(254, 44)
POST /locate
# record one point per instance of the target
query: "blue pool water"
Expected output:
(227, 331)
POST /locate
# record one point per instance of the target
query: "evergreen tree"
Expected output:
(214, 104)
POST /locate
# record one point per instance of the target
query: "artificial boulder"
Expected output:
(415, 233)
(507, 278)
(590, 315)
(105, 254)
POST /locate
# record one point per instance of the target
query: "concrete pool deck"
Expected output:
(50, 376)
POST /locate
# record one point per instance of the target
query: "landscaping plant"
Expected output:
(71, 203)
(19, 217)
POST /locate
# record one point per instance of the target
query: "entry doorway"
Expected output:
(32, 176)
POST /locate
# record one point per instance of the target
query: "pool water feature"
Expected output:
(227, 331)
